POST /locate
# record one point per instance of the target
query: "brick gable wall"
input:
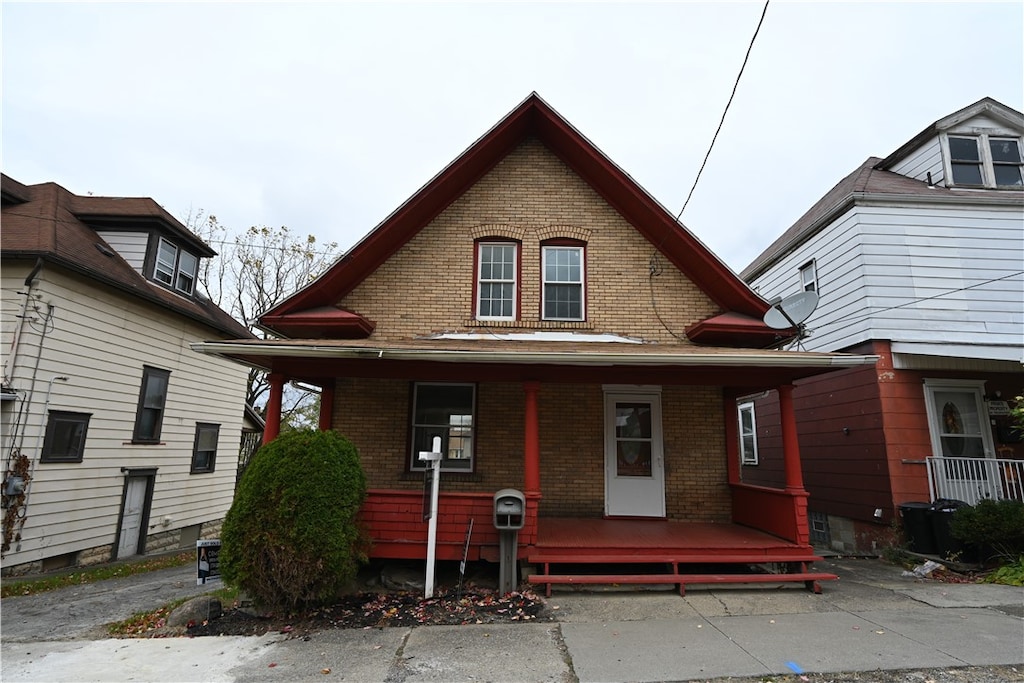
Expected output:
(530, 196)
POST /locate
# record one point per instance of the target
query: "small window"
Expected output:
(1006, 162)
(152, 396)
(187, 267)
(563, 283)
(445, 411)
(65, 436)
(966, 160)
(204, 451)
(748, 434)
(496, 281)
(166, 259)
(809, 278)
(175, 268)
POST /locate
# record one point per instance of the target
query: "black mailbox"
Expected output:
(509, 509)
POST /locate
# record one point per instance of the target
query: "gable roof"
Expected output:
(534, 118)
(986, 105)
(47, 222)
(873, 179)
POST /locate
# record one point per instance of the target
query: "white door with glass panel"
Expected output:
(960, 432)
(634, 456)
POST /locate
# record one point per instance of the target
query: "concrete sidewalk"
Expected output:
(871, 619)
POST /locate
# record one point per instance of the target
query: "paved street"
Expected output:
(871, 619)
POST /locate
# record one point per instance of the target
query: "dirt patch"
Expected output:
(380, 610)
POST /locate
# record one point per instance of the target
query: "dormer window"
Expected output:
(984, 161)
(175, 268)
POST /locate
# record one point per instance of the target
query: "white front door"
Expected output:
(960, 430)
(131, 516)
(634, 458)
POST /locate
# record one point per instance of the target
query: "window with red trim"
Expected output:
(496, 280)
(563, 286)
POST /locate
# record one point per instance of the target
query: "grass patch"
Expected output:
(99, 573)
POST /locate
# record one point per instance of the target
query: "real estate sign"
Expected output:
(207, 565)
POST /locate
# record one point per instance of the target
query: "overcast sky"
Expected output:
(325, 117)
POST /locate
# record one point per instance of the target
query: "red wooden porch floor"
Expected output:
(690, 552)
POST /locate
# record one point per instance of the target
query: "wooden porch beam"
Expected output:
(790, 441)
(531, 440)
(326, 405)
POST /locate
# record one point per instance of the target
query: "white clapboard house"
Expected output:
(117, 439)
(918, 258)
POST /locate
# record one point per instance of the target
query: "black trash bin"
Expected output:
(946, 545)
(917, 527)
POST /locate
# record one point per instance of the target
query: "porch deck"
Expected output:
(594, 551)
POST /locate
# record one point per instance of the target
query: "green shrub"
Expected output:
(1011, 574)
(998, 525)
(291, 536)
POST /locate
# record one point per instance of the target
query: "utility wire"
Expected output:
(864, 316)
(726, 110)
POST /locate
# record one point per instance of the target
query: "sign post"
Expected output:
(434, 458)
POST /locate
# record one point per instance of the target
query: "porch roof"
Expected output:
(271, 353)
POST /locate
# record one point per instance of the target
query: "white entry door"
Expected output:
(634, 457)
(131, 516)
(960, 433)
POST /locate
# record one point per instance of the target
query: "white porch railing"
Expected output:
(973, 479)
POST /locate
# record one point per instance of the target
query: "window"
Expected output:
(809, 278)
(563, 283)
(65, 436)
(175, 268)
(496, 281)
(985, 161)
(1006, 162)
(966, 160)
(748, 434)
(204, 451)
(152, 396)
(445, 411)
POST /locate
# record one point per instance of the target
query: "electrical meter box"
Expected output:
(509, 509)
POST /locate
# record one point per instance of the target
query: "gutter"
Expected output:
(768, 360)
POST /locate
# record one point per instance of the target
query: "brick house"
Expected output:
(563, 335)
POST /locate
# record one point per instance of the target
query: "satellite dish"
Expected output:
(791, 311)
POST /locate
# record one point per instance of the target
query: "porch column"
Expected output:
(790, 442)
(326, 405)
(732, 438)
(531, 440)
(273, 417)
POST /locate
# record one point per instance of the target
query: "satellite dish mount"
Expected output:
(790, 314)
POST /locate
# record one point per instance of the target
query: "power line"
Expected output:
(865, 316)
(725, 111)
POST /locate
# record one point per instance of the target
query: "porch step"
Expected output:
(682, 557)
(810, 579)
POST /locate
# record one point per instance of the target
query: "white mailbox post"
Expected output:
(434, 458)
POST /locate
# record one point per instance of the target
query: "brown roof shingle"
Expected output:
(48, 224)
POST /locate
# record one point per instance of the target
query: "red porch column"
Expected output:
(732, 439)
(273, 417)
(531, 440)
(790, 442)
(326, 405)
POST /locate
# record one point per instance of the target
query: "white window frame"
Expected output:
(175, 276)
(481, 281)
(936, 429)
(809, 277)
(983, 140)
(547, 251)
(747, 456)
